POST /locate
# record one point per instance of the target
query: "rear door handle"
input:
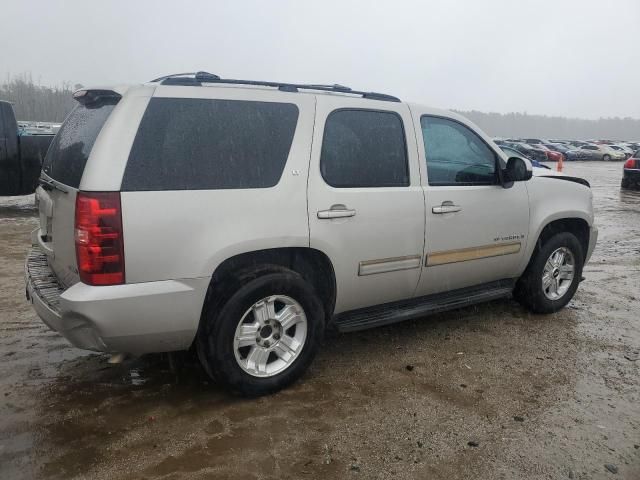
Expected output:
(446, 207)
(336, 211)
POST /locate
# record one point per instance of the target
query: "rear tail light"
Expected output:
(98, 237)
(631, 163)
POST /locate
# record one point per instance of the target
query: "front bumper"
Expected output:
(135, 318)
(593, 239)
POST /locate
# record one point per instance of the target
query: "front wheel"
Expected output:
(553, 275)
(265, 336)
(606, 158)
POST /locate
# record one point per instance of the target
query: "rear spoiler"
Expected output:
(88, 97)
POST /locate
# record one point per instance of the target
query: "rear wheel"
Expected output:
(265, 336)
(553, 275)
(606, 158)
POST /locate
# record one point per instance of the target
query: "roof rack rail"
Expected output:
(198, 78)
(185, 75)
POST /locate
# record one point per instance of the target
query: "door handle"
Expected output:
(446, 207)
(336, 211)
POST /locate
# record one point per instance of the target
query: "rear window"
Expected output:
(364, 148)
(196, 144)
(70, 149)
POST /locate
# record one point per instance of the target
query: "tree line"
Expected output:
(52, 104)
(522, 125)
(36, 102)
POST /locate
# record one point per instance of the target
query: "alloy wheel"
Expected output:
(270, 336)
(558, 273)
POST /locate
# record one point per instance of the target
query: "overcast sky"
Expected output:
(578, 58)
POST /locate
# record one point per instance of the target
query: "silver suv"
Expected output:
(241, 218)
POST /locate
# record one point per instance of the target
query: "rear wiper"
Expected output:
(50, 185)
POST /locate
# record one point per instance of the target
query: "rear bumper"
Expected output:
(631, 178)
(136, 318)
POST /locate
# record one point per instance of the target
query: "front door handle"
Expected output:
(446, 207)
(336, 211)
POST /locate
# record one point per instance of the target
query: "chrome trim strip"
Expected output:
(472, 253)
(384, 265)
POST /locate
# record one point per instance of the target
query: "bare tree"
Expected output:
(36, 102)
(522, 125)
(52, 104)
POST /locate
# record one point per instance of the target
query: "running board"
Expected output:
(393, 312)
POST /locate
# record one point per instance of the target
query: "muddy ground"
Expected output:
(541, 396)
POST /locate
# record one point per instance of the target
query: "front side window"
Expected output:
(205, 144)
(364, 148)
(455, 154)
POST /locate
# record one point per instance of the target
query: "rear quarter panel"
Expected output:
(188, 233)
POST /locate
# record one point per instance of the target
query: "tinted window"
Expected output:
(364, 148)
(72, 145)
(196, 144)
(455, 154)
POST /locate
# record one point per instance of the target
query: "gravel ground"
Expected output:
(488, 392)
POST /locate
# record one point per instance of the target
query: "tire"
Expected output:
(606, 158)
(529, 289)
(232, 337)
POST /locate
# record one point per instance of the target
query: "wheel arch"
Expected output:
(313, 265)
(576, 225)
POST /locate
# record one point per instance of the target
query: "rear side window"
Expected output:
(364, 148)
(202, 144)
(70, 149)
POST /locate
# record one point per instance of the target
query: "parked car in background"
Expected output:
(559, 147)
(552, 155)
(624, 149)
(595, 152)
(579, 143)
(21, 154)
(528, 151)
(514, 153)
(631, 172)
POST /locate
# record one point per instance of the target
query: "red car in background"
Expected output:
(631, 172)
(552, 155)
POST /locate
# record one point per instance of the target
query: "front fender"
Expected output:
(551, 200)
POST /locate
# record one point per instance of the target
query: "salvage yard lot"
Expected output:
(483, 392)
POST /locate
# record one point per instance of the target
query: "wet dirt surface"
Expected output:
(483, 392)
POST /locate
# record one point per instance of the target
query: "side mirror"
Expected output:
(517, 170)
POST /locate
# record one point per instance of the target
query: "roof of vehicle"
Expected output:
(208, 80)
